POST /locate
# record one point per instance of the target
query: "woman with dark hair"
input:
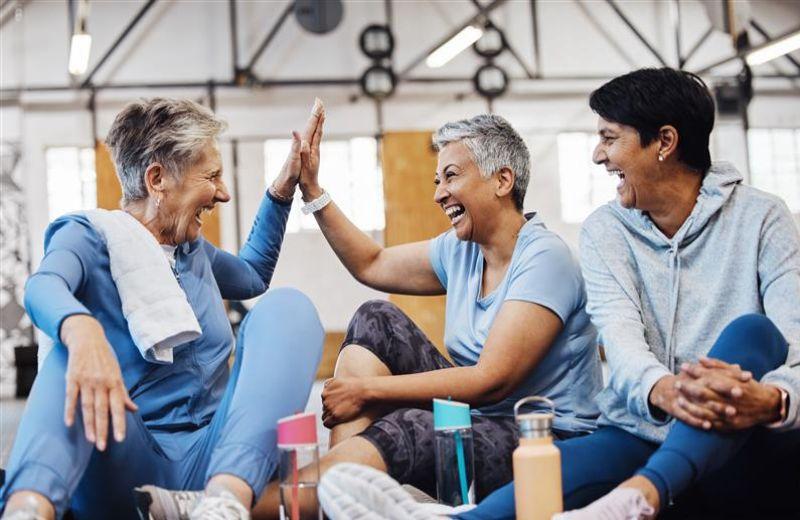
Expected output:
(693, 282)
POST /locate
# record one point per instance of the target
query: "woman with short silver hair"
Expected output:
(180, 418)
(515, 320)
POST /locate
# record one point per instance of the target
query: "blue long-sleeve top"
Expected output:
(74, 278)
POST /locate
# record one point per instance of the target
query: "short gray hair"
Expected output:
(169, 131)
(494, 145)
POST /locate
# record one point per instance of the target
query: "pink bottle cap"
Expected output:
(297, 430)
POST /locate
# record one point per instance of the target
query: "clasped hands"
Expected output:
(712, 394)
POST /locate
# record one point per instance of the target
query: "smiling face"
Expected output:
(185, 198)
(622, 154)
(462, 192)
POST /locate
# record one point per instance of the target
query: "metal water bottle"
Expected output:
(537, 464)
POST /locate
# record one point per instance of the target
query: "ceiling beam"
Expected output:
(635, 31)
(760, 30)
(741, 54)
(270, 35)
(699, 43)
(510, 48)
(124, 34)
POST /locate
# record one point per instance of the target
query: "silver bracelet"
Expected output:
(282, 198)
(317, 204)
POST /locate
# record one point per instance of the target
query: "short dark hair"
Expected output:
(648, 99)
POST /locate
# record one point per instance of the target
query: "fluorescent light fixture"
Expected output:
(774, 49)
(452, 47)
(79, 53)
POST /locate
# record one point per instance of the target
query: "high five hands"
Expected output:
(303, 156)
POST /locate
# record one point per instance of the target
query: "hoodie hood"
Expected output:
(718, 185)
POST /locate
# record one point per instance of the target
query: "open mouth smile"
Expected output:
(455, 213)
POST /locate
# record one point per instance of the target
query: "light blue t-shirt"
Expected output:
(542, 271)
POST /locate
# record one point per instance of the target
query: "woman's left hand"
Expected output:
(343, 399)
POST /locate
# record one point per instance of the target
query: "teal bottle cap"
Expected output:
(450, 415)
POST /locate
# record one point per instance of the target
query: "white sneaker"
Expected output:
(224, 506)
(155, 503)
(355, 492)
(620, 504)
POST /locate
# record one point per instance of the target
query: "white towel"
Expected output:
(154, 304)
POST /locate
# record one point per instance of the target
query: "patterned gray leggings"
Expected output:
(404, 437)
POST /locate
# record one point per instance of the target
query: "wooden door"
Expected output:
(409, 165)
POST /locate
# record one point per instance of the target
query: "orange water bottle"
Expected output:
(537, 464)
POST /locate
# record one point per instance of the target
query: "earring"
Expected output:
(661, 157)
(158, 202)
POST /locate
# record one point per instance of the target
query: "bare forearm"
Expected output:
(355, 249)
(465, 384)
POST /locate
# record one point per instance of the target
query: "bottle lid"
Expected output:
(535, 424)
(450, 415)
(297, 430)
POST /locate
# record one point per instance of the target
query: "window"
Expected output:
(71, 181)
(349, 170)
(775, 162)
(584, 185)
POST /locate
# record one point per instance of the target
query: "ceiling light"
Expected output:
(79, 53)
(452, 47)
(774, 49)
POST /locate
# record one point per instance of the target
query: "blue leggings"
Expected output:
(277, 353)
(753, 470)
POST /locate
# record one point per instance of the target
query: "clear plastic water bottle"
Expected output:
(299, 467)
(455, 467)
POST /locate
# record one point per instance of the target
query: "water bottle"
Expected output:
(299, 467)
(537, 464)
(455, 470)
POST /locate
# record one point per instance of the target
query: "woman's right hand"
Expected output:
(93, 374)
(309, 180)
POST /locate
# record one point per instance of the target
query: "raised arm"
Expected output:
(250, 273)
(404, 269)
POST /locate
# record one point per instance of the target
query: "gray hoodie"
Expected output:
(658, 302)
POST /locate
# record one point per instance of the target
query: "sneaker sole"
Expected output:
(355, 492)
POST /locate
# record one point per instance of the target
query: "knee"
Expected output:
(751, 339)
(286, 300)
(375, 308)
(756, 329)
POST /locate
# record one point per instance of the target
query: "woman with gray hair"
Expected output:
(515, 320)
(109, 286)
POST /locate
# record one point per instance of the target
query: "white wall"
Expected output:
(188, 41)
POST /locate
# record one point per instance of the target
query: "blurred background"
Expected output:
(390, 72)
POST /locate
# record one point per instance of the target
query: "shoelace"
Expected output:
(221, 507)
